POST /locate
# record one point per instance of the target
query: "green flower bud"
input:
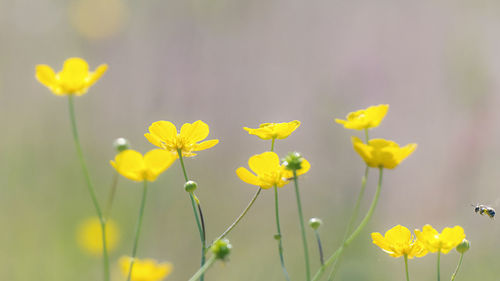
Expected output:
(190, 186)
(277, 237)
(463, 247)
(121, 144)
(221, 249)
(293, 161)
(315, 223)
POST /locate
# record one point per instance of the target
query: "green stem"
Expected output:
(458, 267)
(439, 265)
(233, 225)
(138, 228)
(356, 232)
(406, 267)
(280, 244)
(204, 268)
(302, 228)
(320, 247)
(366, 136)
(272, 144)
(201, 227)
(111, 196)
(90, 187)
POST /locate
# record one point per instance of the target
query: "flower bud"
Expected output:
(315, 223)
(293, 161)
(463, 247)
(221, 249)
(121, 144)
(190, 186)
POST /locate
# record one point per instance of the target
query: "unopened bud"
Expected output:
(315, 223)
(463, 247)
(190, 186)
(293, 161)
(221, 249)
(121, 144)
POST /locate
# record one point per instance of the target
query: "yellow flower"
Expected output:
(164, 135)
(434, 241)
(146, 269)
(89, 235)
(398, 242)
(73, 79)
(132, 165)
(365, 118)
(269, 171)
(382, 153)
(269, 131)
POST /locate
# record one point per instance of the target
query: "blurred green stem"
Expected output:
(204, 268)
(278, 237)
(302, 228)
(356, 232)
(272, 144)
(320, 247)
(90, 187)
(138, 228)
(196, 205)
(354, 216)
(406, 267)
(111, 196)
(439, 265)
(458, 267)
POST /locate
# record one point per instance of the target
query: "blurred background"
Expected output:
(241, 63)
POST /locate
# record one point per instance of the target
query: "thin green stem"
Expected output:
(138, 228)
(320, 247)
(235, 223)
(439, 265)
(111, 197)
(458, 267)
(356, 232)
(280, 244)
(350, 225)
(272, 144)
(406, 267)
(204, 268)
(302, 228)
(366, 136)
(201, 227)
(90, 187)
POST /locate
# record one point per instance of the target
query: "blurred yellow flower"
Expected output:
(443, 242)
(164, 135)
(73, 79)
(132, 165)
(146, 269)
(89, 235)
(269, 131)
(398, 242)
(382, 153)
(365, 118)
(269, 171)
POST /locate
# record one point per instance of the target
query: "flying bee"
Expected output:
(483, 209)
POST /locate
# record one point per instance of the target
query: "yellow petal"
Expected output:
(399, 235)
(283, 130)
(154, 140)
(263, 132)
(130, 164)
(266, 162)
(376, 114)
(246, 176)
(380, 241)
(205, 145)
(306, 166)
(74, 74)
(46, 75)
(195, 132)
(164, 130)
(93, 77)
(157, 161)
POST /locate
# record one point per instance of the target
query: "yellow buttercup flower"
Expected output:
(146, 269)
(164, 135)
(365, 118)
(73, 79)
(443, 242)
(132, 165)
(382, 153)
(89, 235)
(398, 242)
(269, 131)
(269, 171)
